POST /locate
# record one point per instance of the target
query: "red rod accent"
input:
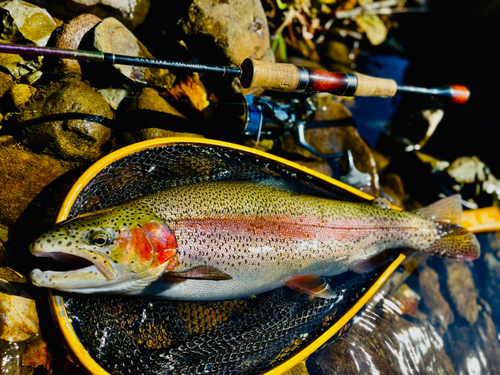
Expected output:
(323, 81)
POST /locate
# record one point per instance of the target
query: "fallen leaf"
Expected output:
(37, 355)
(190, 88)
(374, 27)
(18, 315)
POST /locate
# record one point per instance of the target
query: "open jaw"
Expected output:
(99, 273)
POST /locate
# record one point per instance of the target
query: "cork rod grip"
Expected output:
(269, 76)
(371, 86)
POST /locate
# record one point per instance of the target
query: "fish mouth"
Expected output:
(86, 261)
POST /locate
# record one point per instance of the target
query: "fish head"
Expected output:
(124, 250)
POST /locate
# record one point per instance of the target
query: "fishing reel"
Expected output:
(266, 117)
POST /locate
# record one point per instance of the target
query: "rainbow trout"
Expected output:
(223, 240)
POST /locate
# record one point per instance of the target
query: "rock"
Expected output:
(406, 299)
(380, 341)
(239, 28)
(24, 23)
(112, 36)
(24, 176)
(31, 22)
(129, 12)
(70, 121)
(69, 37)
(474, 347)
(440, 314)
(10, 357)
(462, 289)
(149, 116)
(6, 82)
(299, 369)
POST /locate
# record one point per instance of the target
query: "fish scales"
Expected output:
(261, 235)
(222, 240)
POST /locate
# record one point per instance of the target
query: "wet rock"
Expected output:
(24, 23)
(239, 28)
(332, 131)
(10, 357)
(33, 23)
(406, 299)
(440, 314)
(381, 341)
(69, 121)
(475, 348)
(6, 82)
(299, 369)
(24, 176)
(112, 36)
(69, 37)
(462, 289)
(130, 12)
(150, 116)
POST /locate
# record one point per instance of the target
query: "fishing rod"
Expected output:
(260, 74)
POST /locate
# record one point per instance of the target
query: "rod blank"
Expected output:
(254, 73)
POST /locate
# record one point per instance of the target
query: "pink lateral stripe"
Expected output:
(295, 228)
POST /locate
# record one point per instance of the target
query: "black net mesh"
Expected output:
(244, 336)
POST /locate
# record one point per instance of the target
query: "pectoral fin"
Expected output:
(313, 285)
(201, 272)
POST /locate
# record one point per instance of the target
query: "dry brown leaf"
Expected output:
(37, 355)
(192, 89)
(18, 318)
(374, 27)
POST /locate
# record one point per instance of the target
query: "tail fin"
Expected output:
(453, 240)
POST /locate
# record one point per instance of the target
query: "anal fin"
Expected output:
(313, 285)
(376, 261)
(201, 272)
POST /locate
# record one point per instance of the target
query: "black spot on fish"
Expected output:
(69, 243)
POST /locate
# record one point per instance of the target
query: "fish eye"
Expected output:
(100, 238)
